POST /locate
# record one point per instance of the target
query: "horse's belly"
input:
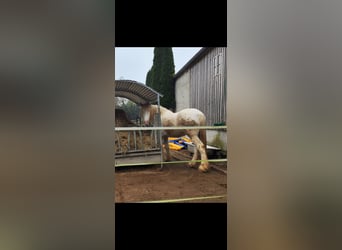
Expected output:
(176, 133)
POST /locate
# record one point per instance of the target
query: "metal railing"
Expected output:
(157, 143)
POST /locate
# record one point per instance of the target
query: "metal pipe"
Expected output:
(135, 140)
(129, 141)
(160, 133)
(119, 141)
(141, 138)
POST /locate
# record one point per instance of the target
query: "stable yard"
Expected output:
(172, 182)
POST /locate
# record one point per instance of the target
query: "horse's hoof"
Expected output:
(203, 168)
(191, 164)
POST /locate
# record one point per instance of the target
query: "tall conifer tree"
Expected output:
(160, 76)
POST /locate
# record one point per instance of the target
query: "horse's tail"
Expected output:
(203, 137)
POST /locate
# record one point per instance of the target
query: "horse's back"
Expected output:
(190, 117)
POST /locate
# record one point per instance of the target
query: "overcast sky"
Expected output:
(134, 63)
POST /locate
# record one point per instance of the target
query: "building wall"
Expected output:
(208, 85)
(203, 86)
(182, 91)
(217, 138)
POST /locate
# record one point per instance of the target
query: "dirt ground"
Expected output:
(172, 182)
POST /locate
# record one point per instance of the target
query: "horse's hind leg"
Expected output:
(204, 167)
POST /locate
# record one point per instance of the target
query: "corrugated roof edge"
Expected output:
(192, 61)
(140, 83)
(136, 95)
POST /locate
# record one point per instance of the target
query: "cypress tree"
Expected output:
(160, 76)
(149, 79)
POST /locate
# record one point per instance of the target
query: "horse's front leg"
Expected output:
(166, 149)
